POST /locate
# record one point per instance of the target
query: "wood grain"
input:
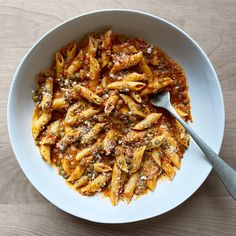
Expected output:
(210, 211)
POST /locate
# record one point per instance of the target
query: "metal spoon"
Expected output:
(226, 173)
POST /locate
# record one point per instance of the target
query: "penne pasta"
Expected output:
(69, 138)
(92, 47)
(146, 69)
(156, 141)
(52, 134)
(105, 58)
(175, 158)
(148, 121)
(124, 48)
(170, 140)
(150, 172)
(71, 53)
(92, 187)
(81, 182)
(132, 105)
(39, 121)
(101, 167)
(104, 83)
(122, 85)
(65, 167)
(135, 136)
(131, 186)
(142, 186)
(156, 156)
(107, 40)
(59, 103)
(47, 94)
(72, 112)
(88, 94)
(87, 160)
(88, 151)
(59, 64)
(137, 158)
(76, 64)
(106, 47)
(115, 185)
(135, 95)
(92, 134)
(109, 142)
(110, 103)
(134, 77)
(82, 116)
(168, 169)
(151, 182)
(156, 86)
(183, 136)
(76, 173)
(120, 159)
(126, 62)
(94, 68)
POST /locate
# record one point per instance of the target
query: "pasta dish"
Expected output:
(94, 122)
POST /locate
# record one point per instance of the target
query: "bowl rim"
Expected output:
(132, 11)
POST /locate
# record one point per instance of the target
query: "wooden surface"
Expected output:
(210, 211)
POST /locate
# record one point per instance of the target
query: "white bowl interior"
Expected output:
(207, 110)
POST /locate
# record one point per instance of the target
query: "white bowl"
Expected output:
(207, 109)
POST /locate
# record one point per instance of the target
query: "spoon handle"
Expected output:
(226, 173)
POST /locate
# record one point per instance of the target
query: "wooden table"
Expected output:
(210, 211)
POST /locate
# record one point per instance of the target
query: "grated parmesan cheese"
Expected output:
(149, 50)
(143, 177)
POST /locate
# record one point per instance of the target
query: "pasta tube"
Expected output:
(126, 62)
(122, 85)
(88, 94)
(147, 122)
